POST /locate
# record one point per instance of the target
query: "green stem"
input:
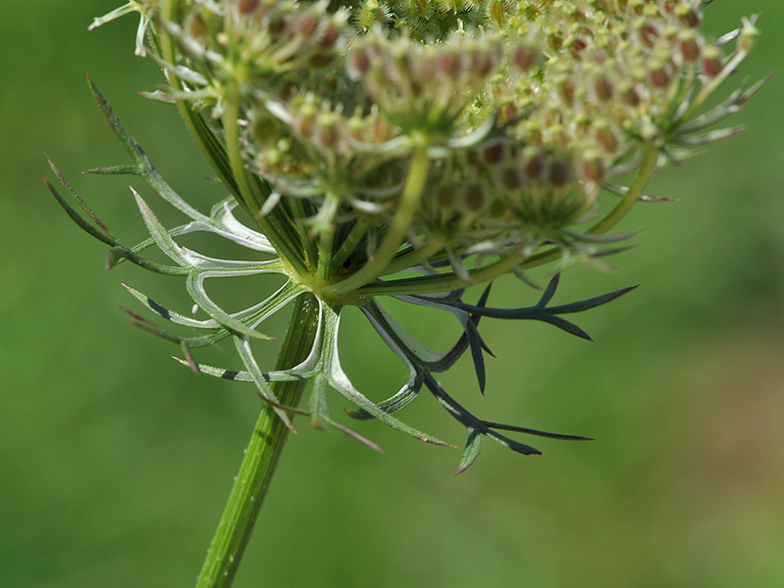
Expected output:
(394, 237)
(412, 258)
(443, 282)
(261, 457)
(300, 212)
(286, 245)
(349, 244)
(644, 175)
(326, 243)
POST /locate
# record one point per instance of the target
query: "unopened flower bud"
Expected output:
(690, 49)
(648, 34)
(358, 63)
(711, 61)
(658, 75)
(577, 47)
(560, 173)
(328, 35)
(591, 166)
(481, 63)
(524, 57)
(271, 158)
(747, 36)
(494, 154)
(247, 6)
(629, 94)
(306, 25)
(688, 15)
(566, 90)
(603, 88)
(328, 133)
(534, 167)
(381, 130)
(448, 65)
(427, 70)
(605, 136)
(474, 198)
(507, 112)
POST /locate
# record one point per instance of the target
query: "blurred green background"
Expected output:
(115, 462)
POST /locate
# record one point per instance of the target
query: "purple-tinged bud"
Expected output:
(688, 15)
(648, 34)
(711, 61)
(474, 198)
(448, 64)
(566, 91)
(494, 154)
(690, 49)
(606, 137)
(560, 173)
(306, 25)
(630, 96)
(507, 113)
(577, 47)
(555, 41)
(358, 63)
(535, 167)
(247, 6)
(427, 70)
(481, 63)
(305, 119)
(382, 131)
(328, 35)
(603, 88)
(276, 24)
(658, 76)
(592, 167)
(524, 57)
(328, 134)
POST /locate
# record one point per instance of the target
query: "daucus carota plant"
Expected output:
(404, 149)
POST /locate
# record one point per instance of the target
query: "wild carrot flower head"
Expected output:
(455, 141)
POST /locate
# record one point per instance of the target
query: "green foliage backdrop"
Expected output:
(116, 461)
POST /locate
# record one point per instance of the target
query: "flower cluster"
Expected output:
(336, 100)
(457, 141)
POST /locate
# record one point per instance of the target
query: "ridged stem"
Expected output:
(261, 457)
(396, 234)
